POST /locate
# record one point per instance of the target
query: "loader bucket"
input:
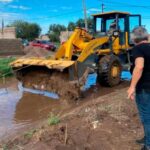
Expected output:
(51, 64)
(48, 75)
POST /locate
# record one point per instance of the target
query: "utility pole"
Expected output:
(2, 26)
(85, 14)
(102, 7)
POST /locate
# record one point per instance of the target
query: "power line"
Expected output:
(79, 11)
(127, 4)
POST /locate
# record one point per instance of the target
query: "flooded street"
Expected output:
(20, 108)
(8, 101)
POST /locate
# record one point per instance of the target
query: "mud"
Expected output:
(31, 51)
(20, 110)
(104, 119)
(56, 82)
(37, 108)
(104, 123)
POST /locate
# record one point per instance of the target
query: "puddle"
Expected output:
(20, 107)
(8, 101)
(91, 80)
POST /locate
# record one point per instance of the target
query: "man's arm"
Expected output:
(137, 73)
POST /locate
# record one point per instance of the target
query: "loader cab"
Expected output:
(122, 22)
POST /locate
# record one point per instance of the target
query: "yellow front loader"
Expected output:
(104, 52)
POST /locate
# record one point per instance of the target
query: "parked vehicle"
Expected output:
(44, 44)
(25, 42)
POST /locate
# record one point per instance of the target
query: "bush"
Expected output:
(53, 120)
(5, 68)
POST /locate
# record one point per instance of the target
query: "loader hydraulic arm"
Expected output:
(79, 40)
(91, 48)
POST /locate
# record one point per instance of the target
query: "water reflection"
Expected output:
(33, 107)
(39, 92)
(19, 108)
(8, 100)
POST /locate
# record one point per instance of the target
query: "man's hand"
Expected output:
(131, 93)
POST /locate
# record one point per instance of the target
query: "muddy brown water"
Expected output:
(20, 109)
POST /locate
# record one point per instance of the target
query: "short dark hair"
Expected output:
(139, 34)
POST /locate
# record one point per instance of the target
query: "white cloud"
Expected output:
(10, 17)
(24, 8)
(53, 10)
(66, 8)
(93, 9)
(6, 1)
(19, 7)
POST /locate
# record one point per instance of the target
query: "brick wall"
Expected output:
(64, 35)
(10, 47)
(8, 33)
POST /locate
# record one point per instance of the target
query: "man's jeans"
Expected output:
(143, 105)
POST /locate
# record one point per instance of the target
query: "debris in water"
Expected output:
(34, 91)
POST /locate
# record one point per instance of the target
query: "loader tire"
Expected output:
(109, 70)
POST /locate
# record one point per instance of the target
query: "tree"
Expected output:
(54, 31)
(90, 23)
(57, 28)
(80, 23)
(25, 30)
(71, 26)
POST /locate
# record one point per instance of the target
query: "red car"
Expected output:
(44, 44)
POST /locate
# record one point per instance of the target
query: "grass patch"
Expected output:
(53, 120)
(5, 147)
(29, 134)
(5, 68)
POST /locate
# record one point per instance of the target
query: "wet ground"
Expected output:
(20, 107)
(104, 120)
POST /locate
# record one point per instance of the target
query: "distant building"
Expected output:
(8, 33)
(64, 35)
(44, 37)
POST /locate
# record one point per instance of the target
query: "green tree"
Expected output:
(26, 30)
(57, 28)
(54, 31)
(90, 23)
(71, 26)
(80, 23)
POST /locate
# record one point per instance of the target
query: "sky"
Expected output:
(46, 12)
